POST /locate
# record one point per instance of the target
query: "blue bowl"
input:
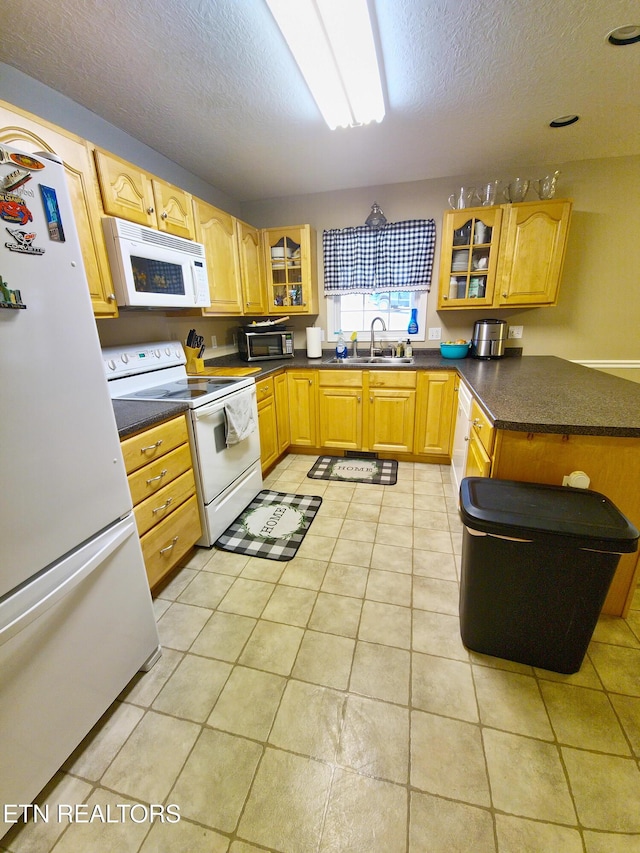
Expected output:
(454, 350)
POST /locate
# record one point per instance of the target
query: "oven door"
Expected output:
(219, 466)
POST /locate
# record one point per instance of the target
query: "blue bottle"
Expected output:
(412, 328)
(341, 348)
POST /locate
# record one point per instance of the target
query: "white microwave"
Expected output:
(151, 269)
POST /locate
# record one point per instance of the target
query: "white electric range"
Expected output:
(228, 476)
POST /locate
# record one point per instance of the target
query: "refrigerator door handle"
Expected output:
(26, 605)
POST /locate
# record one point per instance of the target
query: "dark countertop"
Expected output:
(135, 415)
(526, 394)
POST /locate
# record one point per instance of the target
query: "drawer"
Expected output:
(157, 507)
(264, 388)
(166, 543)
(482, 427)
(153, 443)
(392, 378)
(150, 479)
(340, 378)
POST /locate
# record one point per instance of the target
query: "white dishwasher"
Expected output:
(461, 436)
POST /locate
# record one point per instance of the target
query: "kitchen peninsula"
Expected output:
(547, 417)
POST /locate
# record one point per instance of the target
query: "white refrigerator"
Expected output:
(76, 616)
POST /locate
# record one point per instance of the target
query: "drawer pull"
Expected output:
(152, 446)
(477, 423)
(167, 503)
(169, 547)
(162, 474)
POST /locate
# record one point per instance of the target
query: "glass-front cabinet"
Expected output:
(290, 260)
(469, 257)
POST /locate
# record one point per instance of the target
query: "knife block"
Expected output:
(194, 364)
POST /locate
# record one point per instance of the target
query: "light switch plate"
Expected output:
(515, 331)
(435, 333)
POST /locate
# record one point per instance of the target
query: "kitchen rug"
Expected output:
(272, 526)
(355, 470)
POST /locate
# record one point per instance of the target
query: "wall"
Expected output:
(598, 313)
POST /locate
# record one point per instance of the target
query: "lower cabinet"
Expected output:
(481, 441)
(434, 413)
(391, 410)
(160, 473)
(273, 418)
(340, 409)
(302, 388)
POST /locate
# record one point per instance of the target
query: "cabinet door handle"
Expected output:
(111, 297)
(358, 399)
(445, 297)
(466, 438)
(476, 423)
(311, 382)
(167, 503)
(152, 446)
(163, 215)
(504, 295)
(169, 547)
(149, 210)
(159, 477)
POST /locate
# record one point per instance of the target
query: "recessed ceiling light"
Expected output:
(624, 35)
(564, 121)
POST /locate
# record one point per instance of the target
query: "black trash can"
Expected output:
(537, 563)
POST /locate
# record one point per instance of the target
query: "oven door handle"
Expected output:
(217, 406)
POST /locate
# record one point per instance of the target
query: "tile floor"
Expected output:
(328, 704)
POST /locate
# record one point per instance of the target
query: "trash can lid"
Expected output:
(522, 510)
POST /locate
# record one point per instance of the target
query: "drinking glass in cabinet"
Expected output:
(482, 232)
(462, 236)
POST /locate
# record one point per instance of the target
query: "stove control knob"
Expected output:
(125, 358)
(111, 364)
(157, 353)
(167, 350)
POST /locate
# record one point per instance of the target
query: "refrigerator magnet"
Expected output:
(52, 212)
(13, 209)
(16, 179)
(23, 242)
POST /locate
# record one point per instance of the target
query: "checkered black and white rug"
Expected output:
(379, 471)
(272, 526)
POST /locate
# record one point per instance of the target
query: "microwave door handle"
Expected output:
(194, 283)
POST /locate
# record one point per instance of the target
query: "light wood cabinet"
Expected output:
(532, 250)
(267, 422)
(160, 473)
(302, 388)
(478, 460)
(391, 410)
(131, 193)
(217, 232)
(340, 409)
(503, 256)
(251, 269)
(29, 133)
(434, 413)
(469, 257)
(290, 263)
(281, 394)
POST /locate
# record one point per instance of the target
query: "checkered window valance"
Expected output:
(398, 256)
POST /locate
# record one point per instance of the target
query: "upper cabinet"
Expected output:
(469, 257)
(216, 230)
(290, 261)
(24, 131)
(251, 268)
(532, 250)
(131, 193)
(505, 256)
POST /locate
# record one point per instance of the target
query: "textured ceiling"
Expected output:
(470, 87)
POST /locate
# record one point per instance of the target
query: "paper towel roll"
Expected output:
(314, 342)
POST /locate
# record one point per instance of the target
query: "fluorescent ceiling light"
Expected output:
(332, 42)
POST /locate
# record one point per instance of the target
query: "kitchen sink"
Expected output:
(377, 360)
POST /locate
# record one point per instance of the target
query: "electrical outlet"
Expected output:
(515, 331)
(214, 342)
(435, 333)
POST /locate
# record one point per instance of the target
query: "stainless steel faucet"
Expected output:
(373, 342)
